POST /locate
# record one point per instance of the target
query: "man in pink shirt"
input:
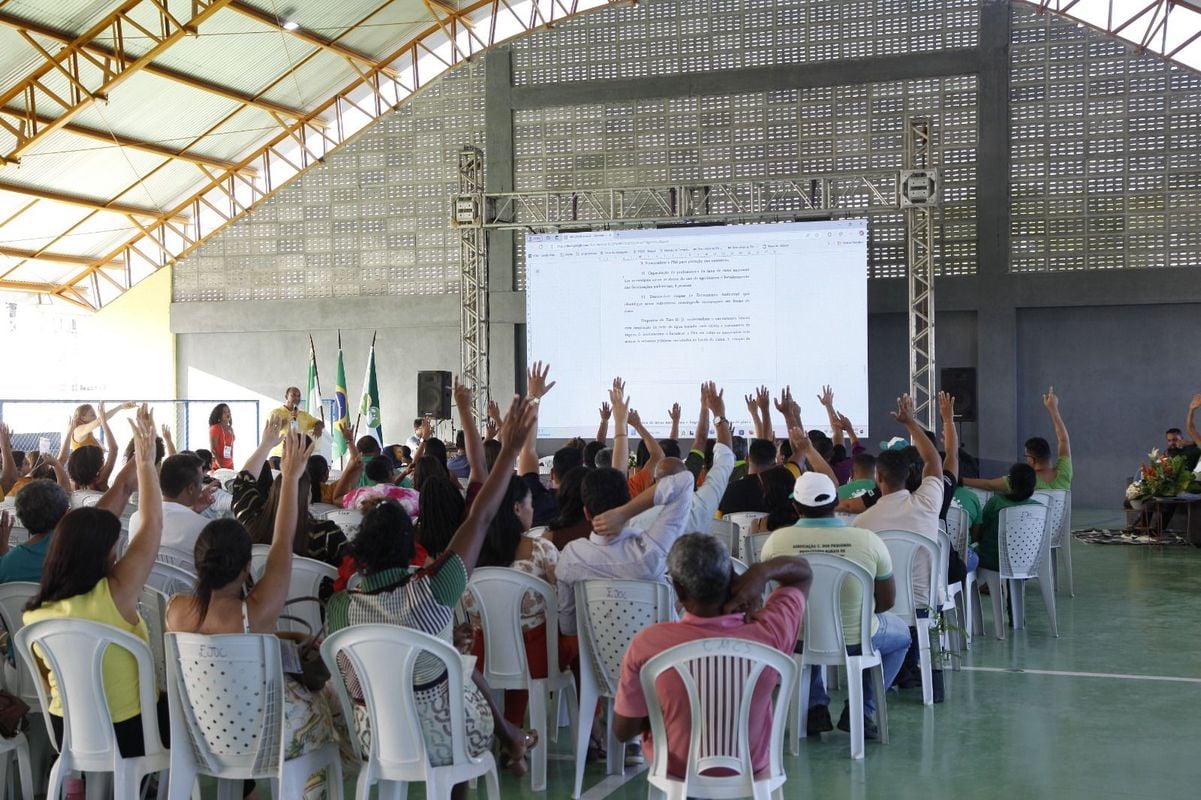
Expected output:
(717, 604)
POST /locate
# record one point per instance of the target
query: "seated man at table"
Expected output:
(716, 605)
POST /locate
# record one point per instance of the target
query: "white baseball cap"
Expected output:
(813, 489)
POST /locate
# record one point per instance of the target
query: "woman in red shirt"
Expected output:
(221, 437)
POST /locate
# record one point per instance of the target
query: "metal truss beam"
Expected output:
(80, 201)
(919, 237)
(1164, 27)
(38, 255)
(98, 51)
(473, 282)
(91, 78)
(303, 143)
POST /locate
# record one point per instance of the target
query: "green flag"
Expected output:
(369, 404)
(340, 412)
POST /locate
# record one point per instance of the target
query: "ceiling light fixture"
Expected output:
(289, 25)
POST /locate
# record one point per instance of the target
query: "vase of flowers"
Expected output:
(1161, 476)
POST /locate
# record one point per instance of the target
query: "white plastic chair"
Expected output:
(383, 658)
(227, 717)
(1059, 527)
(322, 510)
(1024, 552)
(18, 681)
(348, 520)
(608, 615)
(981, 494)
(904, 547)
(84, 498)
(498, 593)
(950, 598)
(753, 546)
(74, 649)
(727, 532)
(959, 531)
(171, 579)
(176, 556)
(825, 644)
(303, 590)
(720, 676)
(152, 606)
(738, 565)
(224, 476)
(744, 520)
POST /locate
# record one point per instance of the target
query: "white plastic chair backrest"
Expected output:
(74, 650)
(224, 476)
(608, 615)
(171, 579)
(822, 631)
(498, 593)
(1056, 502)
(754, 546)
(303, 589)
(981, 494)
(720, 677)
(347, 519)
(81, 498)
(382, 658)
(726, 531)
(17, 535)
(744, 520)
(904, 546)
(258, 559)
(943, 566)
(152, 606)
(738, 565)
(13, 597)
(175, 556)
(227, 700)
(322, 510)
(1022, 540)
(957, 527)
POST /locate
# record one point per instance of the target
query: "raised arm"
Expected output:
(946, 410)
(64, 447)
(1051, 401)
(64, 480)
(168, 441)
(266, 600)
(652, 444)
(493, 425)
(349, 478)
(270, 438)
(701, 439)
(931, 460)
(803, 449)
(753, 409)
(602, 431)
(674, 414)
(536, 388)
(844, 422)
(826, 398)
(469, 536)
(110, 447)
(763, 400)
(621, 426)
(477, 465)
(1193, 405)
(988, 484)
(129, 574)
(8, 465)
(673, 491)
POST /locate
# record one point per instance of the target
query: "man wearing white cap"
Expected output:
(819, 531)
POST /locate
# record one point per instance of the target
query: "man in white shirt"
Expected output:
(181, 478)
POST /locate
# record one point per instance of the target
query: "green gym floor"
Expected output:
(1111, 709)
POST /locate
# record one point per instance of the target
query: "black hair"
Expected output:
(206, 457)
(1022, 482)
(442, 508)
(428, 467)
(571, 500)
(1038, 447)
(417, 422)
(671, 448)
(604, 489)
(84, 465)
(378, 469)
(436, 448)
(367, 445)
(222, 551)
(318, 472)
(762, 452)
(505, 531)
(79, 553)
(590, 451)
(913, 457)
(893, 468)
(180, 472)
(461, 441)
(160, 450)
(737, 444)
(784, 448)
(815, 512)
(863, 461)
(491, 453)
(566, 459)
(385, 539)
(1176, 431)
(215, 414)
(778, 484)
(40, 504)
(19, 458)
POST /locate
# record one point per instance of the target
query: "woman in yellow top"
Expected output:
(83, 578)
(81, 431)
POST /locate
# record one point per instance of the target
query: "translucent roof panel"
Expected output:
(1170, 28)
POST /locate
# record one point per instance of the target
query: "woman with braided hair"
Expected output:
(220, 603)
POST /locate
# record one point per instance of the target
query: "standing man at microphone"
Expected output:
(291, 417)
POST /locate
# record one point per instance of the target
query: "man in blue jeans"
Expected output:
(819, 531)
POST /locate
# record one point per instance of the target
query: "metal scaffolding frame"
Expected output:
(913, 190)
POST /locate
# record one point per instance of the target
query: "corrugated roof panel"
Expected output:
(166, 187)
(17, 58)
(313, 82)
(44, 222)
(40, 271)
(96, 236)
(386, 31)
(63, 162)
(236, 51)
(159, 110)
(71, 15)
(240, 135)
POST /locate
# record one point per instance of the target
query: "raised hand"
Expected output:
(295, 459)
(617, 396)
(462, 394)
(751, 405)
(494, 413)
(904, 412)
(100, 409)
(799, 439)
(143, 435)
(521, 419)
(606, 411)
(427, 429)
(6, 437)
(635, 419)
(784, 404)
(6, 526)
(271, 429)
(1195, 403)
(826, 398)
(536, 385)
(716, 399)
(844, 422)
(763, 398)
(1051, 400)
(946, 407)
(674, 413)
(166, 429)
(491, 427)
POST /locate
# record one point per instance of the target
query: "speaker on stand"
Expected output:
(961, 383)
(434, 395)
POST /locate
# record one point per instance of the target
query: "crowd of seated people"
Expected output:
(431, 515)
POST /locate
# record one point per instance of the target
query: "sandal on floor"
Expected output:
(519, 766)
(596, 749)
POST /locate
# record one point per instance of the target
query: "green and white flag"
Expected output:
(369, 404)
(313, 394)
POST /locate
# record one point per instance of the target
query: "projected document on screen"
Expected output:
(742, 305)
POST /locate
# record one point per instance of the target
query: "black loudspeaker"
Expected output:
(961, 382)
(433, 394)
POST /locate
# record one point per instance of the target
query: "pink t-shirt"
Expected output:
(776, 624)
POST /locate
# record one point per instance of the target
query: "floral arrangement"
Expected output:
(1163, 476)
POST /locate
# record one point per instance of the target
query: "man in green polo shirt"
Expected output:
(1052, 473)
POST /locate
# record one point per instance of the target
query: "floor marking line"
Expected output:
(1115, 675)
(612, 783)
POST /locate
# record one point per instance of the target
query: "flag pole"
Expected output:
(360, 414)
(317, 375)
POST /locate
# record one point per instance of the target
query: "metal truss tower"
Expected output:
(473, 278)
